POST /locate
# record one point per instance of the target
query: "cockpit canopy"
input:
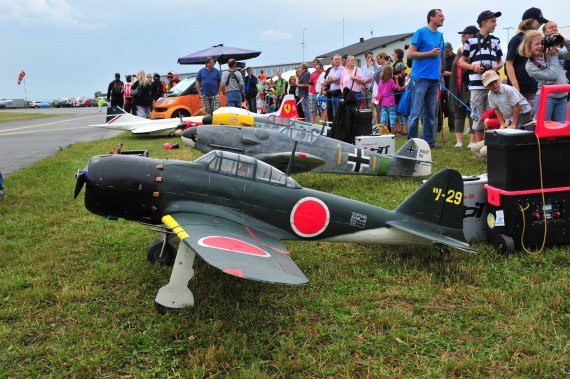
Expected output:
(242, 166)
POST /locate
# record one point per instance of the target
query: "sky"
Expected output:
(72, 48)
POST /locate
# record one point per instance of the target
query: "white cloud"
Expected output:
(273, 35)
(43, 12)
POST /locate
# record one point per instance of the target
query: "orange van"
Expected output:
(182, 100)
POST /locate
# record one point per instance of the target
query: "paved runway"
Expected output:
(25, 142)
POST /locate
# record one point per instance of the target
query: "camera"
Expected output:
(551, 40)
(406, 46)
(486, 66)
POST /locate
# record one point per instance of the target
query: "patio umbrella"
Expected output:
(220, 53)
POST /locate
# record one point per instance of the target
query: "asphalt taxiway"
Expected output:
(25, 142)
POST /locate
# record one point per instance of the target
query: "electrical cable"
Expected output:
(543, 207)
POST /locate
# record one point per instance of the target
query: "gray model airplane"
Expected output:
(296, 150)
(233, 211)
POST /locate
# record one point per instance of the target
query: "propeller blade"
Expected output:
(81, 177)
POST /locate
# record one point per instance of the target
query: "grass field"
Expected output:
(19, 116)
(77, 296)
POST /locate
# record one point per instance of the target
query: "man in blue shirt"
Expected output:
(208, 85)
(425, 50)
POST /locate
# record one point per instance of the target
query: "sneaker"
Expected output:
(434, 146)
(470, 145)
(458, 145)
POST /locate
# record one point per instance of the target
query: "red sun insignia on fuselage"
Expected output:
(310, 217)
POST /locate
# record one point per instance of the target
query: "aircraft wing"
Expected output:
(431, 235)
(303, 162)
(235, 248)
(159, 128)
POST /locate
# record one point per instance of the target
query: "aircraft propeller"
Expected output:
(81, 177)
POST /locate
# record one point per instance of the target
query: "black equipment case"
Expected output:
(528, 190)
(363, 123)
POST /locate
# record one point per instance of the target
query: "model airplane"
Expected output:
(233, 211)
(309, 151)
(118, 119)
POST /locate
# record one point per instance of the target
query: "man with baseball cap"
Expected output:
(481, 53)
(517, 76)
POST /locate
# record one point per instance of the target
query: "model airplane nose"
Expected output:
(190, 136)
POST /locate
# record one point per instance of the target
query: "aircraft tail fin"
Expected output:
(288, 107)
(412, 159)
(435, 211)
(114, 114)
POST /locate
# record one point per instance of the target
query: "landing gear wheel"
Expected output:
(504, 244)
(154, 253)
(164, 310)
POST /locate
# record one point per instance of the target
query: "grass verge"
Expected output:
(18, 116)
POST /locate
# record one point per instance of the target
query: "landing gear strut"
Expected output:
(176, 294)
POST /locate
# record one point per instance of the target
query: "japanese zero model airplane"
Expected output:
(310, 151)
(118, 119)
(233, 211)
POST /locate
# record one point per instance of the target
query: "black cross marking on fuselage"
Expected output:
(411, 149)
(358, 159)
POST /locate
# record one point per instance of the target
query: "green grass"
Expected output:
(17, 116)
(77, 294)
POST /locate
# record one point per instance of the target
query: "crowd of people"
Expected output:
(434, 82)
(536, 55)
(139, 91)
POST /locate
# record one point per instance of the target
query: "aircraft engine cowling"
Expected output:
(122, 186)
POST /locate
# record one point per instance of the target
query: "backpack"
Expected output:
(117, 90)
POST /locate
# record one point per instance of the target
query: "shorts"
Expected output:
(479, 103)
(313, 103)
(210, 103)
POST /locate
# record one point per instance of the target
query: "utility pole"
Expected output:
(303, 45)
(508, 30)
(343, 32)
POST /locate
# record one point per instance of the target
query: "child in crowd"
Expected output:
(490, 119)
(511, 107)
(385, 97)
(401, 78)
(269, 100)
(260, 99)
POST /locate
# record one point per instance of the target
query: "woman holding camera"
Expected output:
(544, 66)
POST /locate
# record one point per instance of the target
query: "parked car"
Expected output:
(38, 104)
(62, 103)
(181, 101)
(87, 103)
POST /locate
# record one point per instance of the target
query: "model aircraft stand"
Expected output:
(529, 183)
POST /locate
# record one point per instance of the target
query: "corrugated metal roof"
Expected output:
(368, 44)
